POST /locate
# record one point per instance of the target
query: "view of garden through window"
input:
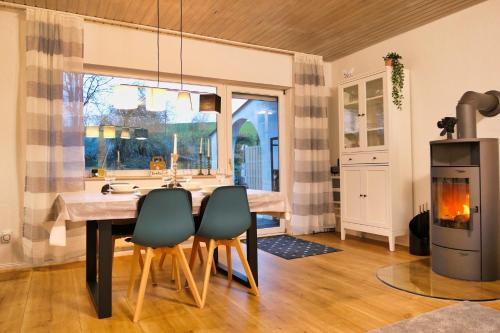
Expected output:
(135, 150)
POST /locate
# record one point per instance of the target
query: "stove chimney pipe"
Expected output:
(488, 104)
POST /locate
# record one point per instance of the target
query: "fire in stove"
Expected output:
(453, 204)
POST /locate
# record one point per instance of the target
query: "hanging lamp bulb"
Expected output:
(183, 103)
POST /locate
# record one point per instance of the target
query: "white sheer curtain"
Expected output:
(54, 129)
(312, 203)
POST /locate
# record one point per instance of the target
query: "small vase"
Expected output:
(388, 62)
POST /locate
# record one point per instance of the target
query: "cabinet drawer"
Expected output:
(365, 158)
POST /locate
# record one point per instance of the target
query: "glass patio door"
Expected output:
(255, 145)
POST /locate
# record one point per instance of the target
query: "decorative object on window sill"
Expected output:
(210, 103)
(157, 163)
(393, 59)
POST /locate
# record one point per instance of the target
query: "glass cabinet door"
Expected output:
(375, 112)
(351, 116)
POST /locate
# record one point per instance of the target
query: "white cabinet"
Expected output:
(376, 168)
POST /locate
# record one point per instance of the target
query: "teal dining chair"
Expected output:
(225, 217)
(164, 222)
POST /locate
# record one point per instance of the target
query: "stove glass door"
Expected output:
(451, 208)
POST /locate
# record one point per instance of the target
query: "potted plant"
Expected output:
(393, 59)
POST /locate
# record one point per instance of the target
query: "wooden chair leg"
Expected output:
(162, 259)
(153, 275)
(210, 258)
(229, 263)
(133, 269)
(187, 273)
(248, 271)
(195, 250)
(200, 254)
(175, 260)
(214, 269)
(144, 280)
(174, 268)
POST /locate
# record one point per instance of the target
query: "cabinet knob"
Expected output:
(364, 195)
(374, 157)
(350, 159)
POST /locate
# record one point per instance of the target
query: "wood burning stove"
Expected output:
(465, 212)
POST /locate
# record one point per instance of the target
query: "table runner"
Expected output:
(87, 206)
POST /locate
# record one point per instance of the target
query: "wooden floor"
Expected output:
(336, 292)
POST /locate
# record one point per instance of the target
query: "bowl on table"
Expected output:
(191, 186)
(122, 188)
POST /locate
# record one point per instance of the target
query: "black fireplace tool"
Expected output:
(419, 232)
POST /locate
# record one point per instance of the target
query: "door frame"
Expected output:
(228, 148)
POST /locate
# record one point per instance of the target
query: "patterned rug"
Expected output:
(464, 317)
(289, 247)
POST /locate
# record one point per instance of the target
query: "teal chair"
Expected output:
(225, 217)
(164, 222)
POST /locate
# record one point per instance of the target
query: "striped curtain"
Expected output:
(312, 203)
(54, 125)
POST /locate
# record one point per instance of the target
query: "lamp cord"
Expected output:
(158, 43)
(181, 49)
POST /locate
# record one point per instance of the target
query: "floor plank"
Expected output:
(335, 292)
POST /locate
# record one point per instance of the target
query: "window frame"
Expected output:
(142, 75)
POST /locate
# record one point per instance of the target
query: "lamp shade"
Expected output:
(141, 133)
(109, 132)
(125, 133)
(156, 99)
(125, 97)
(184, 102)
(92, 131)
(210, 103)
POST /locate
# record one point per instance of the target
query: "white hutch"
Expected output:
(375, 156)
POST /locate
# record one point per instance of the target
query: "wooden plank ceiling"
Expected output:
(331, 28)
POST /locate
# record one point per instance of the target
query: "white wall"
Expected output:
(116, 46)
(446, 58)
(11, 165)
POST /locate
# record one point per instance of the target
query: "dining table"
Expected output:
(101, 210)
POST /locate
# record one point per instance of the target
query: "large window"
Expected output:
(118, 138)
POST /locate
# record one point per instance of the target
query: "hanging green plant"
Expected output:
(397, 77)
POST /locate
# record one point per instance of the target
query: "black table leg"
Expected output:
(251, 256)
(99, 285)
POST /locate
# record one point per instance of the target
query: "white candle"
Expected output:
(171, 162)
(175, 143)
(208, 147)
(201, 145)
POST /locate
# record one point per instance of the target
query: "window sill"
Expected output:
(143, 177)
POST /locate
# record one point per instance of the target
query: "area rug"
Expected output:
(289, 247)
(466, 317)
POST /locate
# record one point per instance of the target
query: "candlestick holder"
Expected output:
(175, 157)
(209, 165)
(200, 172)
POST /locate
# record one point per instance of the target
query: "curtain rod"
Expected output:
(153, 29)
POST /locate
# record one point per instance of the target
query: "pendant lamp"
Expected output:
(183, 103)
(156, 97)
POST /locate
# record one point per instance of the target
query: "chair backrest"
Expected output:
(165, 219)
(227, 213)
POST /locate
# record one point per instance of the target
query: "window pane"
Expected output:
(255, 145)
(137, 134)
